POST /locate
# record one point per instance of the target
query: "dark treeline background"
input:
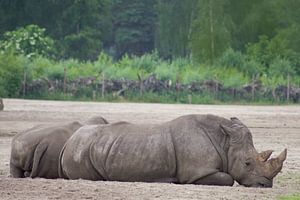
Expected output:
(201, 29)
(249, 41)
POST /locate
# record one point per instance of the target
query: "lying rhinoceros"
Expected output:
(192, 149)
(35, 152)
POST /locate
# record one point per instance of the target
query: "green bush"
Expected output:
(231, 77)
(39, 66)
(55, 72)
(281, 67)
(231, 58)
(104, 61)
(11, 74)
(166, 71)
(197, 74)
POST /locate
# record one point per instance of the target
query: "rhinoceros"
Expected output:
(35, 152)
(192, 149)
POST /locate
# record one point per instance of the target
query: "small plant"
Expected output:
(289, 197)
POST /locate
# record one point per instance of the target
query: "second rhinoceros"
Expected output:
(35, 152)
(192, 149)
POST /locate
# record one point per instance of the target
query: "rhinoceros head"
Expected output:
(245, 164)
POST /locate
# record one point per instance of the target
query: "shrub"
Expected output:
(39, 66)
(231, 77)
(231, 58)
(11, 74)
(165, 71)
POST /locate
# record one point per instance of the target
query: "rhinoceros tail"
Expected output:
(38, 154)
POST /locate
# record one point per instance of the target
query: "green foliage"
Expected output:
(174, 19)
(231, 78)
(252, 68)
(232, 59)
(133, 25)
(166, 72)
(11, 73)
(266, 51)
(56, 72)
(104, 61)
(39, 66)
(84, 45)
(197, 74)
(29, 41)
(281, 67)
(210, 36)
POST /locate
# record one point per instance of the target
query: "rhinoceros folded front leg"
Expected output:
(218, 178)
(16, 172)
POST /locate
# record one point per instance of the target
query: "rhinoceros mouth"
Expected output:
(264, 182)
(260, 185)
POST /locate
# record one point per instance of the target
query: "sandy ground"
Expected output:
(273, 127)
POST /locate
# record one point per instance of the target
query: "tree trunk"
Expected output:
(94, 95)
(253, 88)
(216, 90)
(141, 84)
(103, 86)
(288, 88)
(24, 83)
(177, 86)
(65, 81)
(274, 94)
(212, 42)
(189, 51)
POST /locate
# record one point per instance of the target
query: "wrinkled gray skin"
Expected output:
(96, 120)
(192, 149)
(35, 152)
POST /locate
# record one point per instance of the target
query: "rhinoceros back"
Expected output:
(127, 152)
(74, 158)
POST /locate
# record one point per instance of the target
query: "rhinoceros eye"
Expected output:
(248, 162)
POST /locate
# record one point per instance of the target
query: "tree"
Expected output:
(80, 28)
(133, 26)
(210, 32)
(282, 68)
(29, 41)
(71, 23)
(173, 30)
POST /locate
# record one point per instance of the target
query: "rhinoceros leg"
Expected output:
(218, 178)
(38, 153)
(16, 172)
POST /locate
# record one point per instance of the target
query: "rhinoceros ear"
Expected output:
(236, 121)
(227, 130)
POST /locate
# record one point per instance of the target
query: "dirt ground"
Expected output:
(273, 127)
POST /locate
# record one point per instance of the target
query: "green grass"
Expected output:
(289, 197)
(173, 97)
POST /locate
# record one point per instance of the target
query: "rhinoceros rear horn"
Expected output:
(265, 155)
(275, 164)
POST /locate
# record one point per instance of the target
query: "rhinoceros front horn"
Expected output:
(265, 155)
(275, 164)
